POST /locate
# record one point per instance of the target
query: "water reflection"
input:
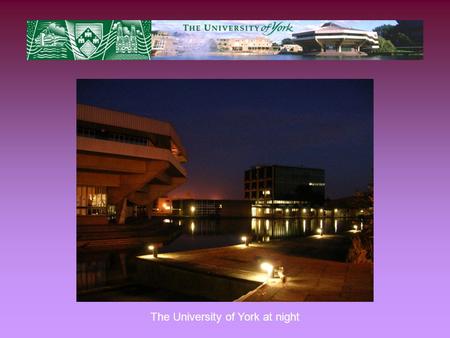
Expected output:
(198, 233)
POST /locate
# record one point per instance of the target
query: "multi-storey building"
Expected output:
(285, 185)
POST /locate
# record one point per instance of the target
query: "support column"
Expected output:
(122, 215)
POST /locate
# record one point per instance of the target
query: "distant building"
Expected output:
(285, 185)
(332, 39)
(290, 49)
(125, 162)
(237, 45)
(211, 208)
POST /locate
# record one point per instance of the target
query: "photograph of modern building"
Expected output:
(331, 38)
(287, 40)
(153, 226)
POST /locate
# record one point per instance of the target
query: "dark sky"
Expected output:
(227, 126)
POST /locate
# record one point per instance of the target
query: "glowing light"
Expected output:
(335, 225)
(179, 223)
(361, 211)
(355, 227)
(267, 224)
(267, 211)
(166, 206)
(304, 211)
(336, 210)
(166, 220)
(253, 223)
(244, 238)
(268, 268)
(321, 223)
(312, 210)
(192, 227)
(287, 225)
(320, 231)
(287, 211)
(321, 210)
(304, 225)
(192, 209)
(362, 225)
(154, 250)
(253, 211)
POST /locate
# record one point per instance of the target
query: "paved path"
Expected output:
(308, 279)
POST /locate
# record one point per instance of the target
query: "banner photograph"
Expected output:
(224, 40)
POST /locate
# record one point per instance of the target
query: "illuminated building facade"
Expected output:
(285, 185)
(211, 208)
(125, 162)
(332, 39)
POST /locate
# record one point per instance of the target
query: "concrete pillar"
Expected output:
(150, 209)
(123, 264)
(122, 211)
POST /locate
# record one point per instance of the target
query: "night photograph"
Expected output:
(224, 190)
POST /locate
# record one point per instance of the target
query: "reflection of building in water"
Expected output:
(237, 45)
(124, 163)
(332, 39)
(126, 42)
(211, 208)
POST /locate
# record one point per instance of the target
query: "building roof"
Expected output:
(129, 121)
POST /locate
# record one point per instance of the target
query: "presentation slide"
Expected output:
(224, 169)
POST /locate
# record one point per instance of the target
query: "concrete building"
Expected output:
(125, 162)
(285, 185)
(237, 45)
(332, 39)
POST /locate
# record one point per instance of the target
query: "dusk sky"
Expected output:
(228, 126)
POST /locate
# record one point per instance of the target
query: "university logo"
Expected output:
(88, 37)
(89, 40)
(48, 40)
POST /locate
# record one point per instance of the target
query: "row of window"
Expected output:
(262, 185)
(258, 173)
(122, 135)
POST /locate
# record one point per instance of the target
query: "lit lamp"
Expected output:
(268, 268)
(154, 249)
(245, 239)
(355, 227)
(192, 209)
(320, 231)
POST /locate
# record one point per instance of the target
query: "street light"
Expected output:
(268, 268)
(245, 240)
(154, 249)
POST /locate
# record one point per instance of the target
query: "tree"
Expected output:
(386, 46)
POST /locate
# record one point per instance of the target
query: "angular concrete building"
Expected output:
(331, 39)
(124, 163)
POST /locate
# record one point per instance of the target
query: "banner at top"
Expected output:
(224, 40)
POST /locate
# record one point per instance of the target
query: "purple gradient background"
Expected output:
(37, 173)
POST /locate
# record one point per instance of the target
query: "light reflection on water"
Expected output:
(199, 233)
